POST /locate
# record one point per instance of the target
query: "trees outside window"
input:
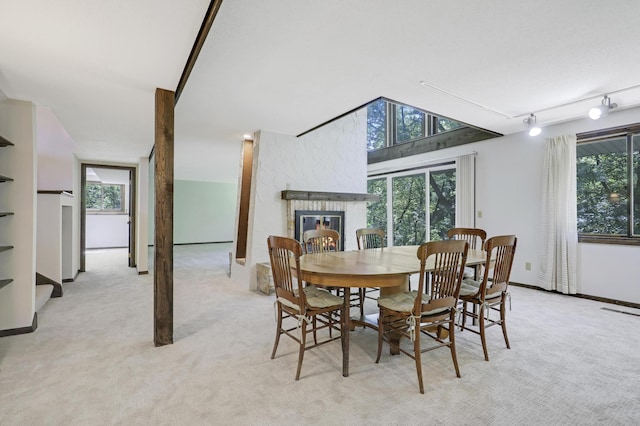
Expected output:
(105, 197)
(442, 206)
(410, 211)
(389, 124)
(410, 123)
(377, 212)
(376, 125)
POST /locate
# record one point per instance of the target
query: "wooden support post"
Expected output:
(163, 263)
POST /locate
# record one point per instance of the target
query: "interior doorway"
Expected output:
(107, 217)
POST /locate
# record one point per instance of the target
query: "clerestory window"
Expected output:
(390, 124)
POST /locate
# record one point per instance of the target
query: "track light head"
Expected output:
(534, 129)
(602, 109)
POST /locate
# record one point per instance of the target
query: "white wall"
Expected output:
(57, 171)
(107, 230)
(55, 153)
(55, 236)
(509, 190)
(17, 300)
(142, 216)
(332, 159)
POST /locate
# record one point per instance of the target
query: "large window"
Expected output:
(389, 124)
(107, 198)
(415, 206)
(377, 212)
(408, 210)
(608, 189)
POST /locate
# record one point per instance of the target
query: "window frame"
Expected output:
(627, 131)
(422, 169)
(122, 209)
(429, 124)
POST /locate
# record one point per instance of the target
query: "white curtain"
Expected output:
(559, 235)
(465, 191)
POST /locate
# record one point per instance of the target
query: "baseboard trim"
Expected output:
(43, 280)
(21, 330)
(582, 296)
(205, 242)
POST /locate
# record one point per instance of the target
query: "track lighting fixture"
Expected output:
(602, 109)
(534, 129)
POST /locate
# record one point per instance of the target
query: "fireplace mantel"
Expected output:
(328, 196)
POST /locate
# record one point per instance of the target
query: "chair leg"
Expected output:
(278, 332)
(483, 337)
(452, 343)
(361, 297)
(463, 320)
(315, 328)
(380, 334)
(303, 341)
(503, 322)
(417, 355)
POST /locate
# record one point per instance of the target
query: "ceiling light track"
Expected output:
(511, 116)
(469, 101)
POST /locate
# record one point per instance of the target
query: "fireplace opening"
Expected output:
(319, 219)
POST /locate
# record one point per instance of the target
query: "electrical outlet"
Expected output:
(527, 266)
(479, 213)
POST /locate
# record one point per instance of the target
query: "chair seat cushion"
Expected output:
(316, 298)
(403, 302)
(469, 287)
(319, 298)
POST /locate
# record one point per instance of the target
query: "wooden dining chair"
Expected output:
(301, 306)
(321, 240)
(476, 238)
(368, 238)
(490, 293)
(415, 314)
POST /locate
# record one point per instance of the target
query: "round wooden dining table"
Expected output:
(387, 268)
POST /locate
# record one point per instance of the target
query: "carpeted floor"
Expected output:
(92, 361)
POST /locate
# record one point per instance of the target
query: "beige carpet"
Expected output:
(92, 361)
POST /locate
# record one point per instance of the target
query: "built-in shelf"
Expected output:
(5, 248)
(5, 282)
(328, 196)
(2, 214)
(4, 142)
(5, 179)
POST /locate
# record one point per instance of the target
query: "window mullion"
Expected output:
(391, 124)
(630, 189)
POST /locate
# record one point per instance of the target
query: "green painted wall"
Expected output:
(203, 212)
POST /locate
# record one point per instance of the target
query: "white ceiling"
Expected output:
(288, 65)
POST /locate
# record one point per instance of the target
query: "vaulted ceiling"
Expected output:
(288, 65)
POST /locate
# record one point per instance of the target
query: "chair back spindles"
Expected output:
(282, 252)
(321, 240)
(369, 238)
(474, 236)
(446, 276)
